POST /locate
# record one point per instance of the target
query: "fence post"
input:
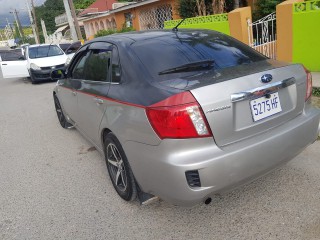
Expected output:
(238, 23)
(284, 17)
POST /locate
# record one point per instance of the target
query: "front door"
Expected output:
(92, 99)
(70, 87)
(13, 65)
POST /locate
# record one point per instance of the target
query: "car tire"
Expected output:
(61, 117)
(119, 169)
(31, 78)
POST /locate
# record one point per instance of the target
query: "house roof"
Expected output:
(123, 8)
(98, 6)
(60, 29)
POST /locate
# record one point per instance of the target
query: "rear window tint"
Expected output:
(164, 53)
(12, 55)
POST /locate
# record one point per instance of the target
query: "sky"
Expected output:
(7, 6)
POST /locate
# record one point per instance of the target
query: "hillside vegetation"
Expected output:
(52, 8)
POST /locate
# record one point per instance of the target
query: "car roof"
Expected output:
(130, 37)
(64, 44)
(41, 45)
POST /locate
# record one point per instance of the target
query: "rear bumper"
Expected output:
(160, 170)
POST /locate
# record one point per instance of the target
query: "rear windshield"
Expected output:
(160, 54)
(44, 51)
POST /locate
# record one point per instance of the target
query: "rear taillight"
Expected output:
(179, 116)
(309, 84)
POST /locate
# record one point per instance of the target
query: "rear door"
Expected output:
(13, 64)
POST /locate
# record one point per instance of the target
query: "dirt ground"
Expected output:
(316, 101)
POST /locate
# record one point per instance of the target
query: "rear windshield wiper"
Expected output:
(205, 64)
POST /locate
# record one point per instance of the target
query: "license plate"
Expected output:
(265, 107)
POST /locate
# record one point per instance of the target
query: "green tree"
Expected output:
(264, 8)
(194, 8)
(48, 11)
(16, 33)
(236, 4)
(53, 8)
(187, 8)
(82, 4)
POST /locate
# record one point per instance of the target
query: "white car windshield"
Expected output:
(44, 51)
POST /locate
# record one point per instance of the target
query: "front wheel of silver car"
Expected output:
(119, 169)
(62, 119)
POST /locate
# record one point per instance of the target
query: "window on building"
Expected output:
(128, 19)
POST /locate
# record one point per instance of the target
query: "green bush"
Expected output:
(316, 92)
(126, 29)
(106, 32)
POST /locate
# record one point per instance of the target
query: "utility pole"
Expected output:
(35, 22)
(32, 23)
(9, 30)
(15, 14)
(9, 25)
(44, 30)
(75, 19)
(70, 21)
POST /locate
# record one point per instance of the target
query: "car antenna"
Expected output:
(175, 29)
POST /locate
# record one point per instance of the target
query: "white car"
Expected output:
(37, 63)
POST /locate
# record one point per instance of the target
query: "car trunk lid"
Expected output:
(230, 105)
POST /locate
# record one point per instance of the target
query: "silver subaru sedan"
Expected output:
(185, 114)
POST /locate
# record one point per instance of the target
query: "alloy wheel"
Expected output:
(117, 169)
(58, 110)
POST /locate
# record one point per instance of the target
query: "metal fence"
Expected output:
(262, 35)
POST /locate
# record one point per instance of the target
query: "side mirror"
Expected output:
(57, 74)
(69, 51)
(21, 58)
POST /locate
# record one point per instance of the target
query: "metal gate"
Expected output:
(263, 36)
(154, 18)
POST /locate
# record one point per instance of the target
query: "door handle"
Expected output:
(74, 93)
(98, 100)
(4, 64)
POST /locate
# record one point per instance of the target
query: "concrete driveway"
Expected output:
(54, 185)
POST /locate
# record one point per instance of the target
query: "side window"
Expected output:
(78, 71)
(12, 56)
(97, 65)
(116, 71)
(128, 19)
(73, 48)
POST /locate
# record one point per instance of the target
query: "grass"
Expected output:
(316, 97)
(316, 91)
(316, 100)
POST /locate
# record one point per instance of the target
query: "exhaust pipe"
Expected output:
(208, 201)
